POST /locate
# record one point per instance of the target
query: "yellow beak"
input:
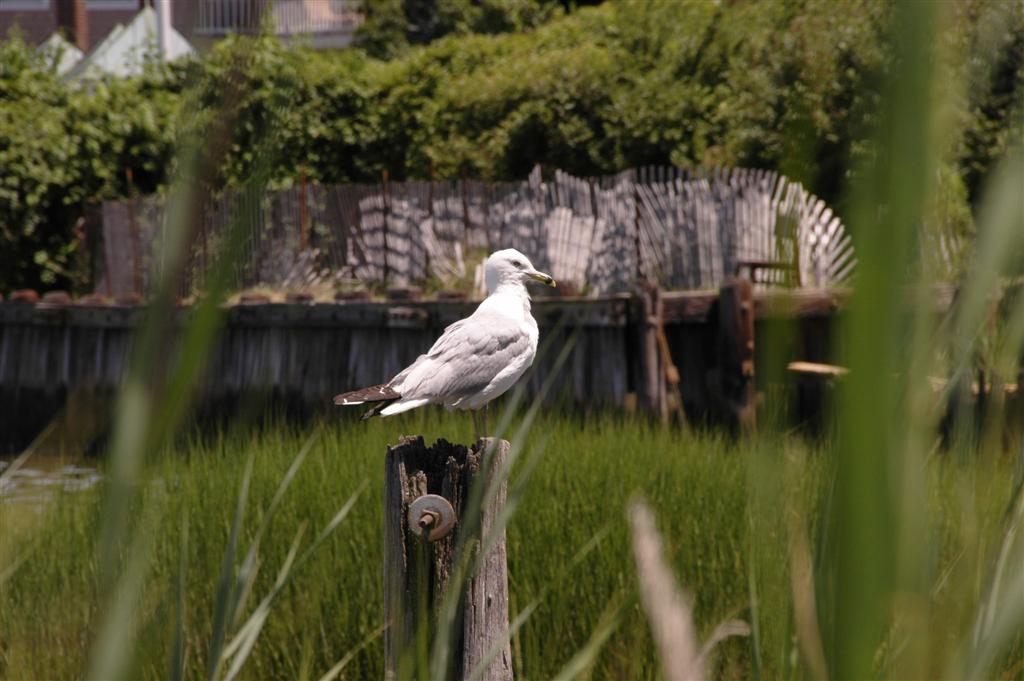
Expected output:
(544, 278)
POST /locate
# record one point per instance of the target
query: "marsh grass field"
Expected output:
(722, 508)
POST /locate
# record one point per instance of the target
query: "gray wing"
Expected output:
(467, 357)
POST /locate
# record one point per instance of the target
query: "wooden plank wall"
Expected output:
(298, 356)
(677, 228)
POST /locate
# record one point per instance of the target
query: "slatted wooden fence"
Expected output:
(681, 229)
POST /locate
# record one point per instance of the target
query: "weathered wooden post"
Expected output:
(652, 361)
(426, 492)
(736, 351)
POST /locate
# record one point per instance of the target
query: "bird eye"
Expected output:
(518, 264)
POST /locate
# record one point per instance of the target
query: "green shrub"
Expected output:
(64, 149)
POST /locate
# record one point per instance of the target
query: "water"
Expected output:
(36, 483)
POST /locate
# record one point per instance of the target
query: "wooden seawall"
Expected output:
(297, 356)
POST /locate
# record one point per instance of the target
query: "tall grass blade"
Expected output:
(1000, 616)
(7, 572)
(668, 610)
(1000, 244)
(756, 641)
(886, 211)
(586, 656)
(223, 607)
(250, 564)
(16, 464)
(154, 392)
(241, 645)
(177, 663)
(332, 673)
(805, 609)
(10, 570)
(114, 644)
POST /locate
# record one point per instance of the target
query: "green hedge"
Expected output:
(788, 86)
(62, 150)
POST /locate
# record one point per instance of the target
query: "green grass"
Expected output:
(721, 510)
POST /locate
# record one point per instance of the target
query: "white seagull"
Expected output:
(477, 358)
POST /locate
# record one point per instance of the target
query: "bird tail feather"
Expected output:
(399, 406)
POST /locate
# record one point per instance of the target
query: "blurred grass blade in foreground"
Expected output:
(155, 393)
(668, 609)
(886, 211)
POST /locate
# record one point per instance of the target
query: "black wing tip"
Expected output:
(374, 393)
(376, 409)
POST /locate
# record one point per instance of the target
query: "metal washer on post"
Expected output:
(434, 512)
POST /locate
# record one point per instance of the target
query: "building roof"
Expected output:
(127, 49)
(61, 54)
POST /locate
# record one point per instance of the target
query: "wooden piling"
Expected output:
(419, 563)
(736, 352)
(652, 366)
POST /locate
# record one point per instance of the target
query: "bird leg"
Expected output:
(476, 424)
(484, 415)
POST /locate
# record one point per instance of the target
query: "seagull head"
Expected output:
(512, 267)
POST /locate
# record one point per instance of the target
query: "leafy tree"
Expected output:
(383, 33)
(994, 59)
(391, 26)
